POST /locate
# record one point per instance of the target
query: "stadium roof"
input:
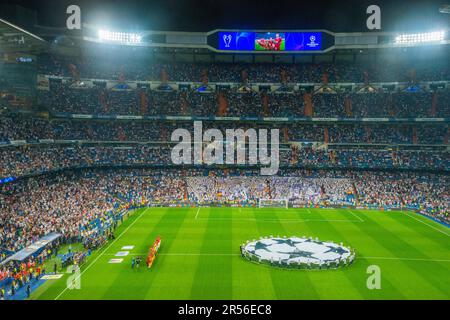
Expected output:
(16, 39)
(201, 15)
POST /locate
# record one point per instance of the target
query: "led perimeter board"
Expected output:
(270, 41)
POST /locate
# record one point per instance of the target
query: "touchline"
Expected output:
(235, 147)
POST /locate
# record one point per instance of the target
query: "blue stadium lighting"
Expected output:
(120, 37)
(420, 37)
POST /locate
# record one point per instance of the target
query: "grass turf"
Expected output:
(199, 256)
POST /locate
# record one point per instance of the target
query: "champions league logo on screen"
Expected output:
(227, 40)
(312, 42)
(237, 41)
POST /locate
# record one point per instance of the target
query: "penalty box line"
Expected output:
(281, 220)
(103, 252)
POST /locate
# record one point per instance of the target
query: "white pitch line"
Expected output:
(355, 215)
(196, 215)
(199, 254)
(280, 220)
(431, 226)
(404, 259)
(103, 252)
(181, 254)
(332, 220)
(237, 254)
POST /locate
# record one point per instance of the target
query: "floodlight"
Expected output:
(420, 37)
(121, 37)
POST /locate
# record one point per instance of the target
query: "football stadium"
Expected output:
(223, 162)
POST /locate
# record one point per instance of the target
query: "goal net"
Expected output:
(273, 203)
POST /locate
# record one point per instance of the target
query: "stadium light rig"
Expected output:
(420, 37)
(119, 37)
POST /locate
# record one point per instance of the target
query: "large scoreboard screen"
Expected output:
(270, 41)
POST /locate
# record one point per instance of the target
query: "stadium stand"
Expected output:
(82, 155)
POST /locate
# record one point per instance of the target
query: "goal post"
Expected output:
(273, 203)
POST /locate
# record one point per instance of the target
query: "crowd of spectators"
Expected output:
(33, 129)
(140, 69)
(429, 193)
(32, 160)
(20, 274)
(40, 206)
(22, 161)
(301, 191)
(62, 98)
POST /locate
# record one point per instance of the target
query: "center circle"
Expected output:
(298, 253)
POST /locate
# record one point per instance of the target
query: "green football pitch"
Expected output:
(199, 257)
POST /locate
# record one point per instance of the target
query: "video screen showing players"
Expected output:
(270, 41)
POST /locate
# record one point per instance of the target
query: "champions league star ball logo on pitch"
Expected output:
(298, 253)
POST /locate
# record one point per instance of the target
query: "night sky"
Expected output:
(206, 15)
